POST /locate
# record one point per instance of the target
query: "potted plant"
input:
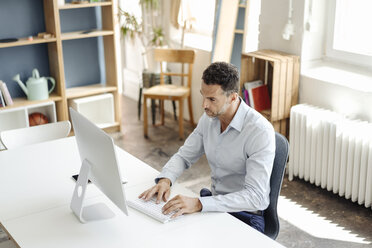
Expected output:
(149, 32)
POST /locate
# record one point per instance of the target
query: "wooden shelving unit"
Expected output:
(81, 35)
(280, 72)
(25, 42)
(84, 5)
(62, 93)
(89, 90)
(21, 102)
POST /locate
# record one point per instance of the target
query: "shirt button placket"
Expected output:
(218, 150)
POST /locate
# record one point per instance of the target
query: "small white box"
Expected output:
(48, 109)
(13, 118)
(99, 109)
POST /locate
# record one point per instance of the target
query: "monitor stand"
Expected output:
(94, 212)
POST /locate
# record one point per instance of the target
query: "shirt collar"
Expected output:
(238, 119)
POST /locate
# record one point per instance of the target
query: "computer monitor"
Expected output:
(99, 164)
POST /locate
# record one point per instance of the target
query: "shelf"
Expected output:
(100, 23)
(89, 90)
(78, 34)
(83, 5)
(21, 102)
(242, 5)
(239, 31)
(25, 42)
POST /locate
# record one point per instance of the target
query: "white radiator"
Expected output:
(331, 151)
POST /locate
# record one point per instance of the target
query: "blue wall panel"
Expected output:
(22, 60)
(240, 20)
(82, 65)
(236, 54)
(21, 18)
(78, 19)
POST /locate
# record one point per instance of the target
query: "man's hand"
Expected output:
(162, 189)
(182, 205)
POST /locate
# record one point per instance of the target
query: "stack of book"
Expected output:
(256, 95)
(5, 98)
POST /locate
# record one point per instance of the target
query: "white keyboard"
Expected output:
(151, 209)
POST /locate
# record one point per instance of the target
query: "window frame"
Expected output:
(340, 55)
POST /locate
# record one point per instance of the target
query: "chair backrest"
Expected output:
(276, 179)
(31, 135)
(183, 56)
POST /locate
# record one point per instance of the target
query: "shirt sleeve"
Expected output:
(255, 193)
(187, 155)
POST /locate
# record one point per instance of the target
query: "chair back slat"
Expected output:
(174, 55)
(189, 79)
(176, 74)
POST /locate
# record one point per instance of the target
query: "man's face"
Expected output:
(215, 101)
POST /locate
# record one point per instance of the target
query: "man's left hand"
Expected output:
(182, 205)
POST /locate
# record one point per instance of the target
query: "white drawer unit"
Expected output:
(99, 109)
(18, 117)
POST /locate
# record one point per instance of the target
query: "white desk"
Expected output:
(36, 189)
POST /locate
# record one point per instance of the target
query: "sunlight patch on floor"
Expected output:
(313, 224)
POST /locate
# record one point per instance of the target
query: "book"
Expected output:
(4, 89)
(252, 84)
(249, 86)
(261, 98)
(246, 97)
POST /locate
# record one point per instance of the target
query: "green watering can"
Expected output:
(36, 87)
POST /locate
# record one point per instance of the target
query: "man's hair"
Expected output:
(224, 74)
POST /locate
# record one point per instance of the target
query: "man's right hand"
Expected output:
(162, 189)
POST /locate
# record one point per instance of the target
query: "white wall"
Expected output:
(274, 16)
(353, 103)
(310, 45)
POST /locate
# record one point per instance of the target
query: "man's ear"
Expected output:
(234, 96)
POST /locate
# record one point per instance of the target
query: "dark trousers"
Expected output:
(257, 221)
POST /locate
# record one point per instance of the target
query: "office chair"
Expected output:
(276, 179)
(30, 135)
(171, 92)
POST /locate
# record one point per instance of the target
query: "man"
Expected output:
(239, 144)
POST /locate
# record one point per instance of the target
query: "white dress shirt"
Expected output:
(241, 159)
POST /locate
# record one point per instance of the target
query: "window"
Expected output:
(349, 37)
(199, 17)
(200, 13)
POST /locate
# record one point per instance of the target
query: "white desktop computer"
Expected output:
(99, 164)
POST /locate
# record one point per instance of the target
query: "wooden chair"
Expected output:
(171, 92)
(150, 79)
(30, 135)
